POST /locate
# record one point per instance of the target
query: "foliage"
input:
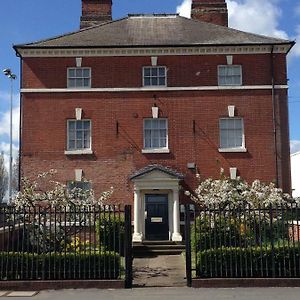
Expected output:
(110, 230)
(40, 202)
(255, 262)
(3, 178)
(225, 193)
(35, 193)
(59, 266)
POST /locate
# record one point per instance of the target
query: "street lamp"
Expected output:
(12, 77)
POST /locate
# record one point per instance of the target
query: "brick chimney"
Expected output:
(211, 11)
(95, 12)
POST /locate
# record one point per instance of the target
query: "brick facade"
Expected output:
(117, 153)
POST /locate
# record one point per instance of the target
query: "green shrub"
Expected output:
(59, 266)
(252, 262)
(110, 232)
(216, 231)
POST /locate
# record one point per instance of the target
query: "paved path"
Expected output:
(171, 294)
(159, 271)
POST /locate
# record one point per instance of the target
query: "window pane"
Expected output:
(71, 72)
(155, 143)
(72, 83)
(71, 125)
(147, 72)
(154, 81)
(79, 82)
(71, 144)
(86, 82)
(147, 124)
(163, 143)
(162, 124)
(162, 72)
(155, 124)
(154, 72)
(222, 71)
(162, 81)
(78, 124)
(78, 73)
(86, 73)
(87, 124)
(229, 75)
(147, 81)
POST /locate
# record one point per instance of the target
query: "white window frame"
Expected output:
(78, 151)
(79, 87)
(159, 149)
(230, 66)
(155, 86)
(233, 149)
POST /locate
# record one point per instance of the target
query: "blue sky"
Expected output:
(25, 21)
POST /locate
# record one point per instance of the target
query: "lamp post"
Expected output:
(12, 77)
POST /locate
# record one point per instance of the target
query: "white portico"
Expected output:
(156, 204)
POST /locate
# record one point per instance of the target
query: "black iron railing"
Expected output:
(63, 243)
(243, 242)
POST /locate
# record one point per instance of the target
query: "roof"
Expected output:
(156, 167)
(154, 30)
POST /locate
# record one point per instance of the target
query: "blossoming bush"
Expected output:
(53, 214)
(237, 214)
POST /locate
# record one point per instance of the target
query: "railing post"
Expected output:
(188, 255)
(128, 248)
(272, 241)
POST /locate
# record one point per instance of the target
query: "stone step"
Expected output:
(157, 248)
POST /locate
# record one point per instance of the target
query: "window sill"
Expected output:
(232, 150)
(78, 152)
(153, 151)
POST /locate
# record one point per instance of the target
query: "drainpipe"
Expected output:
(274, 115)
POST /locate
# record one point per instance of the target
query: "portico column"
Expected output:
(137, 235)
(176, 236)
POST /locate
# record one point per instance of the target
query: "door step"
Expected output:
(154, 248)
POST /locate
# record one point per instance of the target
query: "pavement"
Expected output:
(171, 294)
(159, 271)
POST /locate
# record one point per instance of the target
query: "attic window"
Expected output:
(154, 76)
(79, 78)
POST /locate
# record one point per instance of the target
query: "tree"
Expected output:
(3, 178)
(15, 175)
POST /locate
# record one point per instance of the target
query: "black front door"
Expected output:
(157, 220)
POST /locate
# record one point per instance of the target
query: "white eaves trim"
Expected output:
(146, 89)
(78, 152)
(131, 51)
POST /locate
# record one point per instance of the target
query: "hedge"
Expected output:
(254, 262)
(110, 232)
(59, 266)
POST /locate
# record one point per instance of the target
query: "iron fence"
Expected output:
(243, 242)
(64, 243)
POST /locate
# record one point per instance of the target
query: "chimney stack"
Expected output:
(95, 12)
(211, 11)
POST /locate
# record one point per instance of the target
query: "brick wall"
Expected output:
(127, 71)
(116, 156)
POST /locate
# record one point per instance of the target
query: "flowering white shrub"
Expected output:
(228, 193)
(52, 213)
(57, 195)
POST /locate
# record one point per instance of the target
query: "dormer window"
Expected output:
(154, 76)
(79, 78)
(230, 75)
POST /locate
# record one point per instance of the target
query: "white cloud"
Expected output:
(256, 16)
(261, 17)
(295, 146)
(5, 123)
(184, 9)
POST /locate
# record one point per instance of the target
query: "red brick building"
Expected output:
(144, 102)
